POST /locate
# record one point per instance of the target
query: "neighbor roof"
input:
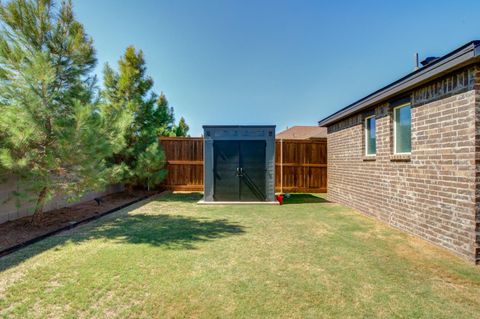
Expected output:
(303, 133)
(464, 55)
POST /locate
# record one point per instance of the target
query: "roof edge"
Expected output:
(462, 56)
(237, 126)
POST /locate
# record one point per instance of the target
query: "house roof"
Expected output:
(466, 54)
(302, 133)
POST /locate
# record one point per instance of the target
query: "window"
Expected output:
(370, 136)
(402, 129)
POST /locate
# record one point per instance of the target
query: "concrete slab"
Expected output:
(202, 202)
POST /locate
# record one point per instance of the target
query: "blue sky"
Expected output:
(274, 62)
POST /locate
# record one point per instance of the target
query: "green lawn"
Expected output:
(169, 257)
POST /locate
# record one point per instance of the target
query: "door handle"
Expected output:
(239, 171)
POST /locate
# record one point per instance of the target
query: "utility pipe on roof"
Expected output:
(465, 55)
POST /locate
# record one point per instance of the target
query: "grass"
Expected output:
(168, 257)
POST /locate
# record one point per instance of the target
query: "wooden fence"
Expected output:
(304, 164)
(184, 163)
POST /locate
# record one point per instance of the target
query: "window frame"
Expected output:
(395, 129)
(365, 121)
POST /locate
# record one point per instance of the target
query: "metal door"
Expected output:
(239, 171)
(252, 170)
(226, 170)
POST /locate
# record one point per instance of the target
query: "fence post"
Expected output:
(281, 166)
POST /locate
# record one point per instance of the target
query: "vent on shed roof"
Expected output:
(429, 60)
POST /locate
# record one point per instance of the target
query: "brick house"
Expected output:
(409, 153)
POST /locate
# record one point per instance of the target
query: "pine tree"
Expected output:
(53, 138)
(163, 117)
(182, 128)
(142, 159)
(150, 166)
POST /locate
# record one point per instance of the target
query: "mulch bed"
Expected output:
(21, 231)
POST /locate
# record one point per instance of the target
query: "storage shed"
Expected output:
(239, 163)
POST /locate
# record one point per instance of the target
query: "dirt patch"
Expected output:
(19, 231)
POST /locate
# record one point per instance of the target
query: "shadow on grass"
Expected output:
(304, 199)
(167, 231)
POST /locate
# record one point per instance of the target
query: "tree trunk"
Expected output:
(38, 213)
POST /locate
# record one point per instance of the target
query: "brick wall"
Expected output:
(433, 192)
(477, 161)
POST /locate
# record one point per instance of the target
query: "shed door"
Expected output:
(239, 171)
(225, 170)
(253, 170)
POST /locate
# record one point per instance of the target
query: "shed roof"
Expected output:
(468, 53)
(303, 133)
(237, 126)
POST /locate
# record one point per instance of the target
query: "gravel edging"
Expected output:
(29, 242)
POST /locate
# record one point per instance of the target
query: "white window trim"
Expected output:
(395, 129)
(366, 135)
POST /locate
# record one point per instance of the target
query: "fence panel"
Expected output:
(184, 163)
(304, 165)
